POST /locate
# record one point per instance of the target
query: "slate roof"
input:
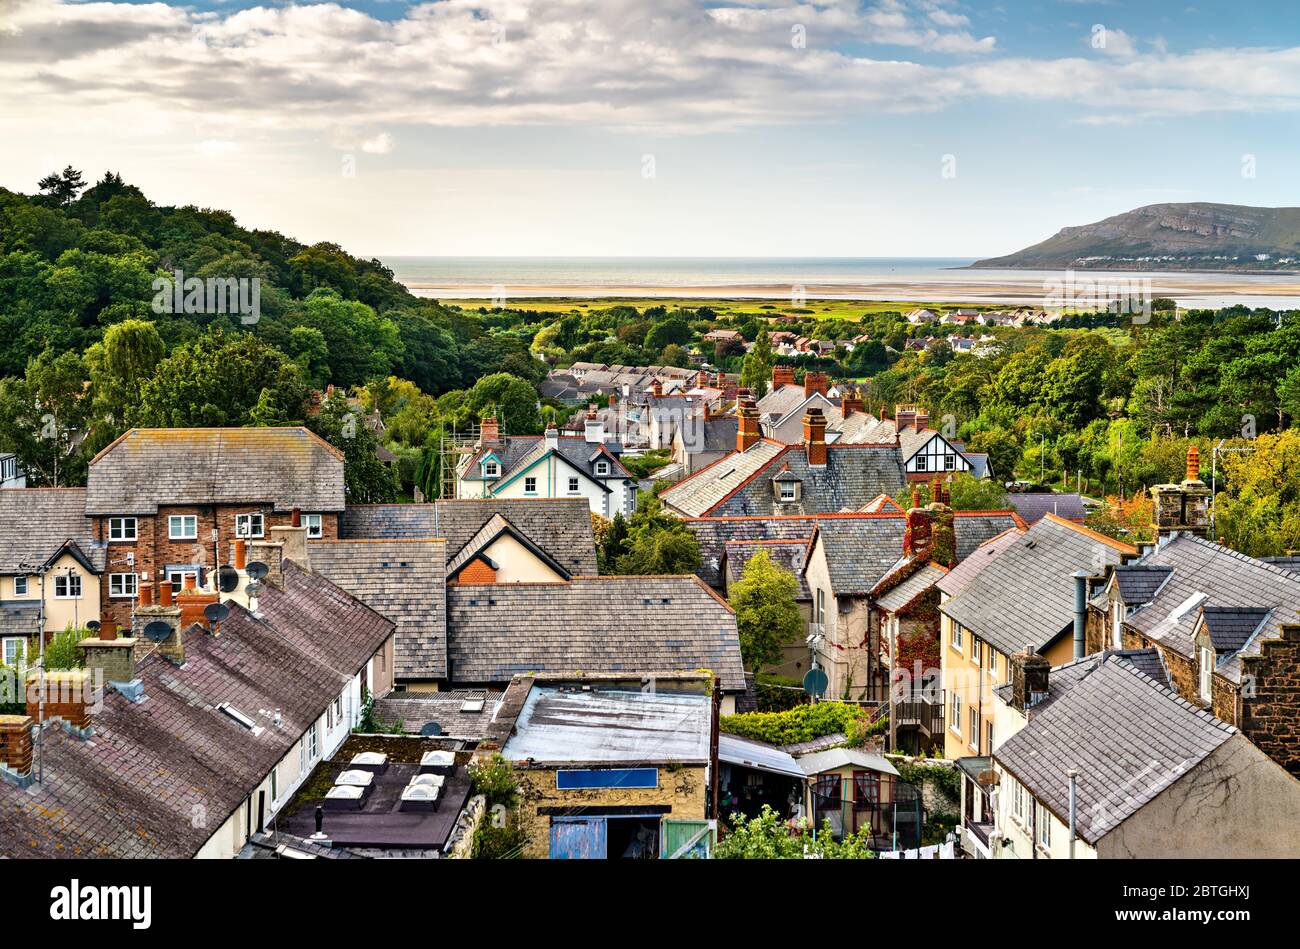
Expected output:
(1127, 736)
(559, 526)
(134, 788)
(914, 586)
(35, 523)
(859, 551)
(741, 483)
(974, 528)
(1206, 574)
(1139, 582)
(518, 452)
(632, 625)
(1067, 675)
(146, 467)
(1286, 563)
(1025, 595)
(1032, 506)
(402, 580)
(19, 618)
(714, 533)
(979, 558)
(786, 554)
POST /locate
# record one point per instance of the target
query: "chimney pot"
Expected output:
(241, 554)
(146, 594)
(189, 581)
(295, 518)
(108, 630)
(1193, 463)
(165, 593)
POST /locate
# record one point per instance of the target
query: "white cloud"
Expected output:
(381, 144)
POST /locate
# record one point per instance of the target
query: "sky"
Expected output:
(663, 127)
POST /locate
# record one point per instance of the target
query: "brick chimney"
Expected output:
(943, 531)
(782, 376)
(168, 611)
(489, 431)
(270, 553)
(747, 429)
(918, 535)
(69, 695)
(851, 402)
(1030, 672)
(16, 748)
(814, 436)
(701, 378)
(904, 415)
(814, 382)
(192, 603)
(112, 656)
(922, 418)
(720, 380)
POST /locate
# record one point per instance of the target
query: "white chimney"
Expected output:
(552, 436)
(595, 429)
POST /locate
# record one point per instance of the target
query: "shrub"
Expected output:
(498, 843)
(802, 723)
(496, 781)
(767, 837)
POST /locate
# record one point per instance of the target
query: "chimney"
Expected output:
(1182, 508)
(922, 419)
(593, 429)
(113, 657)
(146, 594)
(489, 432)
(241, 554)
(108, 630)
(1080, 612)
(747, 431)
(270, 553)
(814, 382)
(164, 594)
(904, 415)
(782, 376)
(69, 696)
(814, 436)
(552, 436)
(943, 530)
(918, 534)
(701, 378)
(851, 402)
(16, 748)
(720, 380)
(1193, 464)
(657, 389)
(169, 612)
(192, 603)
(1029, 678)
(293, 537)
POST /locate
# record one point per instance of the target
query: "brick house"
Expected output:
(169, 502)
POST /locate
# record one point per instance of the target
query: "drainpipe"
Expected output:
(1074, 813)
(1080, 612)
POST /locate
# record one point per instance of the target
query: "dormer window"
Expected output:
(602, 467)
(1206, 673)
(789, 491)
(491, 469)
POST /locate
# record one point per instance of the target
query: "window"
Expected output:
(338, 709)
(176, 572)
(313, 736)
(20, 586)
(973, 717)
(1043, 826)
(249, 525)
(949, 462)
(1018, 799)
(573, 485)
(275, 782)
(828, 788)
(313, 524)
(958, 640)
(602, 467)
(67, 587)
(988, 731)
(922, 463)
(15, 650)
(122, 528)
(866, 789)
(121, 585)
(820, 617)
(490, 469)
(788, 491)
(530, 486)
(182, 527)
(1207, 673)
(976, 650)
(954, 717)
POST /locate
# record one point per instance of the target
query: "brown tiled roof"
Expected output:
(36, 522)
(146, 467)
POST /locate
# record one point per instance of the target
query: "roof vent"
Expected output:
(239, 717)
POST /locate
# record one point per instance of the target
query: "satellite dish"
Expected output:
(257, 570)
(92, 624)
(157, 631)
(227, 579)
(216, 612)
(430, 729)
(815, 682)
(253, 589)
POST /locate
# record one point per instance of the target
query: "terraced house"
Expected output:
(168, 503)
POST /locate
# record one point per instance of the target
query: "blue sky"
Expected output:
(897, 128)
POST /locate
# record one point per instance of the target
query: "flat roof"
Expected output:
(577, 725)
(757, 755)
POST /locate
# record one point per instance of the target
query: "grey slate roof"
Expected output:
(1025, 595)
(1139, 582)
(633, 625)
(741, 483)
(517, 452)
(134, 788)
(19, 618)
(979, 558)
(904, 593)
(973, 528)
(1286, 563)
(35, 523)
(1067, 675)
(1231, 627)
(1128, 737)
(1032, 506)
(1220, 577)
(860, 550)
(402, 580)
(714, 533)
(146, 467)
(559, 526)
(415, 709)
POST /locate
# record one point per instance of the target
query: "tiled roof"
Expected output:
(741, 483)
(973, 528)
(1026, 594)
(517, 452)
(464, 714)
(146, 467)
(900, 596)
(713, 533)
(1288, 562)
(1128, 738)
(1139, 582)
(979, 558)
(559, 526)
(1215, 576)
(35, 523)
(1033, 506)
(1231, 627)
(150, 769)
(633, 625)
(402, 580)
(859, 551)
(19, 618)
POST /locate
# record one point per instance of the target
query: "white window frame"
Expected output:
(315, 525)
(1205, 684)
(1042, 826)
(530, 480)
(958, 637)
(573, 485)
(954, 714)
(68, 584)
(791, 487)
(19, 644)
(921, 462)
(119, 580)
(491, 469)
(949, 462)
(184, 520)
(973, 717)
(123, 530)
(244, 526)
(313, 741)
(1018, 801)
(602, 467)
(20, 586)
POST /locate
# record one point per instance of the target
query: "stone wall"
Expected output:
(1271, 698)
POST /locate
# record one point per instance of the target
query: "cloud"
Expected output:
(671, 66)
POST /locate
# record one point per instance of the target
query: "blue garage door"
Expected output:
(578, 838)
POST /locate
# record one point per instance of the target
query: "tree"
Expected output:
(367, 480)
(756, 370)
(121, 365)
(1259, 513)
(62, 187)
(767, 616)
(41, 416)
(512, 400)
(613, 545)
(973, 494)
(658, 543)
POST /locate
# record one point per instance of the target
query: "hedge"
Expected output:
(803, 723)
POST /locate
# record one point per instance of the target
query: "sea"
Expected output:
(920, 279)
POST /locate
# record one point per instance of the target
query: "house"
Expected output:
(1032, 505)
(859, 791)
(50, 568)
(11, 475)
(724, 336)
(782, 409)
(548, 466)
(1029, 589)
(197, 739)
(925, 451)
(1100, 759)
(608, 767)
(917, 317)
(171, 501)
(763, 476)
(704, 440)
